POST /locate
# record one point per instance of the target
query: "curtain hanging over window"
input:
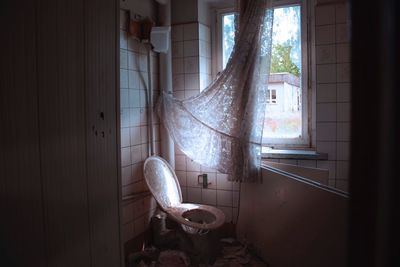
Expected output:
(221, 128)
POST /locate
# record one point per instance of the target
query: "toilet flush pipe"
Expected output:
(167, 145)
(150, 103)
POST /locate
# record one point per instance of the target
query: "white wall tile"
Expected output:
(123, 40)
(125, 156)
(143, 63)
(124, 98)
(236, 186)
(343, 53)
(134, 80)
(123, 78)
(224, 198)
(204, 81)
(341, 13)
(343, 92)
(324, 14)
(343, 112)
(143, 116)
(194, 195)
(125, 137)
(191, 165)
(212, 180)
(123, 19)
(204, 33)
(124, 116)
(326, 131)
(191, 48)
(134, 116)
(326, 112)
(236, 197)
(343, 72)
(192, 179)
(145, 151)
(192, 82)
(181, 177)
(177, 65)
(143, 98)
(133, 61)
(326, 92)
(209, 196)
(342, 33)
(180, 163)
(205, 49)
(126, 177)
(223, 183)
(177, 33)
(325, 34)
(135, 135)
(123, 59)
(178, 81)
(343, 131)
(143, 134)
(191, 65)
(137, 172)
(206, 169)
(342, 170)
(326, 73)
(191, 31)
(133, 44)
(136, 155)
(343, 150)
(325, 54)
(177, 49)
(134, 98)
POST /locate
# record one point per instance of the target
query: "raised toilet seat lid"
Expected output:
(162, 182)
(164, 186)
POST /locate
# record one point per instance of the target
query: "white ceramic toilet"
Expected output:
(164, 185)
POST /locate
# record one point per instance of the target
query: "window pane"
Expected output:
(283, 118)
(228, 37)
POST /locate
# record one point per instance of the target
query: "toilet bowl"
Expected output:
(164, 186)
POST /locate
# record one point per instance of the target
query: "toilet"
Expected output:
(164, 186)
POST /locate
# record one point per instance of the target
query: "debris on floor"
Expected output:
(173, 247)
(234, 254)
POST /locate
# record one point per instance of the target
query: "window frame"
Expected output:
(218, 44)
(307, 80)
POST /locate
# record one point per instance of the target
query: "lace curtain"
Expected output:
(221, 128)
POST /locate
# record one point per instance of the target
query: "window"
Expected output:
(228, 36)
(271, 96)
(286, 121)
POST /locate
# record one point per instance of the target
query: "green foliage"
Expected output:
(281, 61)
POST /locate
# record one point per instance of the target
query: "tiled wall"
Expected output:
(333, 103)
(134, 126)
(191, 53)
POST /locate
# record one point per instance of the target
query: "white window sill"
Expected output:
(293, 154)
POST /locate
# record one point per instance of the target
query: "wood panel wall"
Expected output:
(59, 184)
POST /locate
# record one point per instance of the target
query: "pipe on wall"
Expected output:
(167, 145)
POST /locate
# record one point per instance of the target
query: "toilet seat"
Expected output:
(164, 186)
